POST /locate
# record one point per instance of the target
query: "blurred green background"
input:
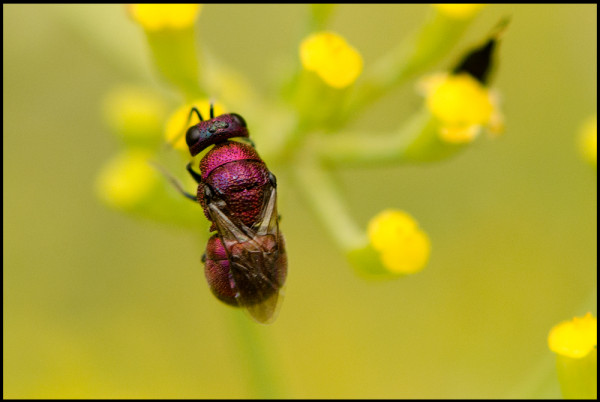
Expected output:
(99, 304)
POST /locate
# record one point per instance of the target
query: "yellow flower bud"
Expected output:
(331, 58)
(136, 114)
(155, 17)
(575, 338)
(589, 141)
(127, 179)
(462, 106)
(178, 122)
(402, 246)
(459, 11)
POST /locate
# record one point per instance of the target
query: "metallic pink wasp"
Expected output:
(245, 261)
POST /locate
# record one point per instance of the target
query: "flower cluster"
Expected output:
(308, 131)
(328, 85)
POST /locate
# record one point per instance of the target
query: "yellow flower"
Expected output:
(459, 11)
(332, 58)
(589, 141)
(575, 338)
(462, 105)
(137, 114)
(178, 122)
(127, 179)
(155, 17)
(403, 247)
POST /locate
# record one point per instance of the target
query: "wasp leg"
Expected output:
(189, 196)
(195, 175)
(179, 188)
(174, 182)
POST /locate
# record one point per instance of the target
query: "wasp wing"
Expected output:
(255, 254)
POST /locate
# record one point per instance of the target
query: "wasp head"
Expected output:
(215, 130)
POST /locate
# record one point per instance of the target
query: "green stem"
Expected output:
(368, 149)
(322, 195)
(417, 52)
(174, 54)
(578, 377)
(264, 380)
(320, 14)
(416, 141)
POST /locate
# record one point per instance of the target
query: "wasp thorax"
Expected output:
(234, 173)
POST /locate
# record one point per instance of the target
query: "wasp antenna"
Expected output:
(173, 181)
(212, 109)
(195, 109)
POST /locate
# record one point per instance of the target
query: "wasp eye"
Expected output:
(192, 136)
(238, 119)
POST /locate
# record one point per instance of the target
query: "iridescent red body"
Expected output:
(245, 261)
(237, 171)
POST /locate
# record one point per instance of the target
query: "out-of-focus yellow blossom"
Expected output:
(135, 113)
(331, 58)
(155, 17)
(178, 122)
(575, 338)
(127, 179)
(402, 246)
(589, 141)
(459, 11)
(462, 105)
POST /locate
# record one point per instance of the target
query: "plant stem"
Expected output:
(367, 149)
(412, 57)
(322, 195)
(264, 380)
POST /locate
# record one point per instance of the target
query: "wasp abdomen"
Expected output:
(218, 271)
